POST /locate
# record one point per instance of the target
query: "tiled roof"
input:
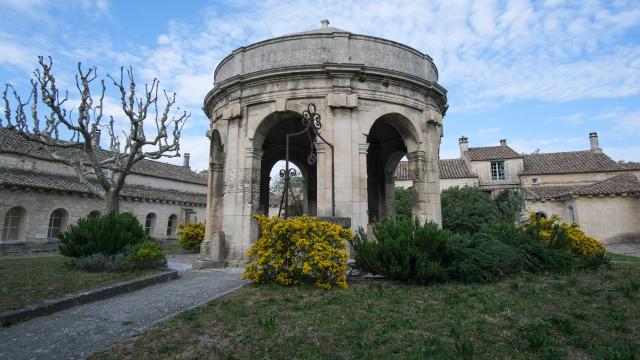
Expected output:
(41, 180)
(454, 169)
(569, 163)
(630, 165)
(626, 183)
(449, 169)
(492, 153)
(14, 143)
(10, 177)
(548, 191)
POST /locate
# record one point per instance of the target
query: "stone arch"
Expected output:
(150, 223)
(58, 221)
(270, 140)
(94, 214)
(387, 138)
(172, 225)
(14, 224)
(400, 120)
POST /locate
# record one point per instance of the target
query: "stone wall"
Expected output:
(512, 167)
(40, 205)
(609, 219)
(577, 179)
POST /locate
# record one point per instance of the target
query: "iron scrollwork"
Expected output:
(312, 125)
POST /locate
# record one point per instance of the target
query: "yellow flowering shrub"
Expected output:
(549, 230)
(145, 255)
(190, 236)
(299, 250)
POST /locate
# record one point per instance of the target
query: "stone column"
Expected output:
(419, 195)
(323, 179)
(390, 194)
(212, 247)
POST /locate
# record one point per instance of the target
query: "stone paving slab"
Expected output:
(82, 330)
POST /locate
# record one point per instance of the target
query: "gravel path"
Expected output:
(79, 331)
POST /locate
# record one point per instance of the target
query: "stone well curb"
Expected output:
(52, 306)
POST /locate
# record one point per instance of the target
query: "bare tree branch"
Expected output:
(104, 171)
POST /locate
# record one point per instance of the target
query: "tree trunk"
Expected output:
(112, 202)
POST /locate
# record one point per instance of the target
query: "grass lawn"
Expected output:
(29, 280)
(584, 314)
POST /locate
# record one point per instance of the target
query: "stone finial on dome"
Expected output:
(325, 23)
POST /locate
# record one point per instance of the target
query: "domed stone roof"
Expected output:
(312, 50)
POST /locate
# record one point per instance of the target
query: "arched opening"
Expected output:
(57, 222)
(540, 215)
(150, 224)
(13, 224)
(297, 191)
(387, 147)
(271, 137)
(172, 223)
(94, 214)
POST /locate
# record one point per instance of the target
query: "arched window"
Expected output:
(540, 215)
(171, 225)
(150, 223)
(13, 223)
(94, 214)
(57, 223)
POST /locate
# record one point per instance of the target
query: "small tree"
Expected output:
(73, 136)
(403, 202)
(296, 189)
(467, 209)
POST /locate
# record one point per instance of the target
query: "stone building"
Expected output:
(377, 101)
(586, 187)
(39, 196)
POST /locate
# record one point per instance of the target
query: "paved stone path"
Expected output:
(79, 331)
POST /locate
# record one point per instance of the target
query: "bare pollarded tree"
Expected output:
(72, 135)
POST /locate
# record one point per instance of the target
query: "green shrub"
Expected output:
(553, 233)
(403, 202)
(404, 250)
(108, 235)
(510, 205)
(467, 209)
(145, 255)
(190, 236)
(100, 263)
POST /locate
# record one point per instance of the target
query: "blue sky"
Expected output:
(541, 74)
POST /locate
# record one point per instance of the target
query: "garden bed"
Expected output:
(581, 314)
(30, 280)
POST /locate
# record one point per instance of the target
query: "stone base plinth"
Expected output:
(208, 264)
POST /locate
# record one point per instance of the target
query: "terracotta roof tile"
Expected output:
(492, 153)
(626, 183)
(12, 142)
(568, 163)
(10, 177)
(454, 169)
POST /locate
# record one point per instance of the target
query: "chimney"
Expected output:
(325, 23)
(96, 137)
(595, 147)
(503, 142)
(186, 160)
(464, 145)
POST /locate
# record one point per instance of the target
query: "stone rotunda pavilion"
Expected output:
(377, 101)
